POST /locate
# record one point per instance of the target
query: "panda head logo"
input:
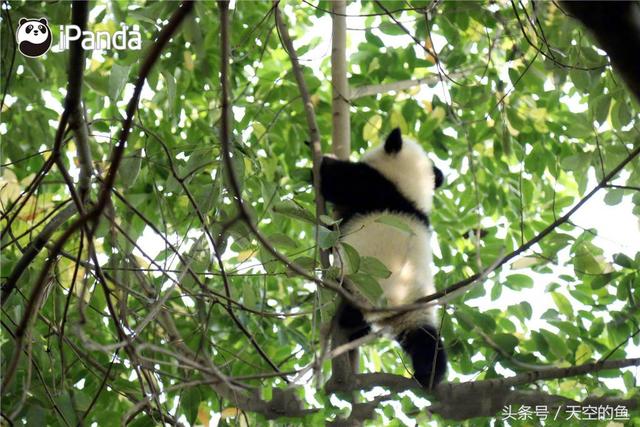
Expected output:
(33, 37)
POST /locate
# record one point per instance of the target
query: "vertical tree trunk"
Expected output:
(343, 366)
(341, 132)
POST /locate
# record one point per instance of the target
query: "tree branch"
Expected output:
(73, 100)
(486, 397)
(447, 390)
(33, 249)
(368, 90)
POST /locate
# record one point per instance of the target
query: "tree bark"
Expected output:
(341, 126)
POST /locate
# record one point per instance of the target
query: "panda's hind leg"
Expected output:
(354, 326)
(352, 321)
(428, 356)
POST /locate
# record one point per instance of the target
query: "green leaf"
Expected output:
(281, 239)
(596, 328)
(587, 259)
(496, 291)
(526, 309)
(507, 342)
(576, 162)
(623, 260)
(327, 220)
(557, 345)
(395, 221)
(333, 273)
(305, 262)
(514, 75)
(601, 107)
(190, 401)
(266, 392)
(258, 129)
(290, 209)
(580, 79)
(117, 80)
(353, 258)
(170, 82)
(374, 267)
(620, 115)
(391, 28)
(327, 238)
(563, 304)
(519, 281)
(624, 116)
(371, 128)
(249, 296)
(130, 168)
(35, 415)
(583, 353)
(368, 286)
(613, 197)
(373, 39)
(602, 280)
(629, 380)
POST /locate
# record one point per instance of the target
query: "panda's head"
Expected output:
(405, 163)
(33, 37)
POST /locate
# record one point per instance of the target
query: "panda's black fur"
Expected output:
(395, 179)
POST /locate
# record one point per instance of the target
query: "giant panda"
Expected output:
(395, 179)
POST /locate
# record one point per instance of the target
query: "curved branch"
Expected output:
(34, 248)
(362, 91)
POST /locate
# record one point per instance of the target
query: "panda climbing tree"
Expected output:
(392, 182)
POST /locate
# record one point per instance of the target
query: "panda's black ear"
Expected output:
(393, 144)
(22, 21)
(43, 21)
(438, 177)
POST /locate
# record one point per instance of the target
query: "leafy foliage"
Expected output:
(524, 113)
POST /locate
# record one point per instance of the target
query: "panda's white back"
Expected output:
(406, 254)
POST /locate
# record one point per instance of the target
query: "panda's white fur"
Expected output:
(407, 255)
